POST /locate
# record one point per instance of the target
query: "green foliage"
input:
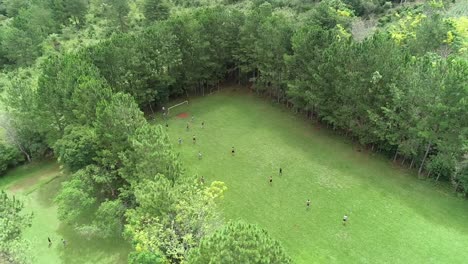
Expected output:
(239, 242)
(20, 122)
(9, 157)
(109, 218)
(145, 258)
(77, 148)
(13, 221)
(155, 10)
(69, 11)
(116, 121)
(151, 154)
(187, 216)
(21, 39)
(330, 13)
(78, 195)
(142, 64)
(68, 91)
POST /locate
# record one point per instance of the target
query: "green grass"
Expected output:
(37, 185)
(393, 217)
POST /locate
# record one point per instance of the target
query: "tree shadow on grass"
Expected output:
(80, 250)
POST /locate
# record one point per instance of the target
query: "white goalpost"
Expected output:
(176, 105)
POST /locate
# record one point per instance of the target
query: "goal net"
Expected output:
(180, 107)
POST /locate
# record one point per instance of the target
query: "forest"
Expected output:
(80, 78)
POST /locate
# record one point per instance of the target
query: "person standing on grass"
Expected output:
(167, 125)
(202, 180)
(193, 118)
(50, 241)
(199, 155)
(194, 139)
(308, 204)
(271, 180)
(345, 219)
(203, 124)
(233, 151)
(188, 126)
(180, 141)
(280, 171)
(64, 242)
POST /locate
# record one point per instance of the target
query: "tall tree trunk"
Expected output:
(424, 159)
(278, 96)
(395, 156)
(438, 176)
(203, 87)
(28, 157)
(429, 174)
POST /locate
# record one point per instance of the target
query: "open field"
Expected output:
(37, 185)
(393, 217)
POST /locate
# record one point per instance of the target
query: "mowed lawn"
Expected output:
(37, 185)
(393, 216)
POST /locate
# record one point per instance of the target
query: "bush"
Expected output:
(9, 157)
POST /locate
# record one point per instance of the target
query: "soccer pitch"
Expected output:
(393, 217)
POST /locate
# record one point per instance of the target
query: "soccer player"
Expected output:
(202, 180)
(50, 241)
(180, 141)
(203, 124)
(188, 126)
(271, 180)
(199, 155)
(194, 139)
(233, 151)
(345, 218)
(308, 203)
(280, 171)
(167, 125)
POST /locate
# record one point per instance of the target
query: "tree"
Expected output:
(9, 157)
(155, 10)
(116, 121)
(20, 122)
(68, 11)
(77, 148)
(78, 196)
(109, 218)
(13, 221)
(239, 242)
(172, 220)
(116, 11)
(142, 64)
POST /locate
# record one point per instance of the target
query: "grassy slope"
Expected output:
(37, 185)
(394, 218)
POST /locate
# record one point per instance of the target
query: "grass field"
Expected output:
(37, 185)
(393, 217)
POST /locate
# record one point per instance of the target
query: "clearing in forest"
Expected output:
(393, 217)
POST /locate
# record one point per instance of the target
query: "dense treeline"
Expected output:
(96, 65)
